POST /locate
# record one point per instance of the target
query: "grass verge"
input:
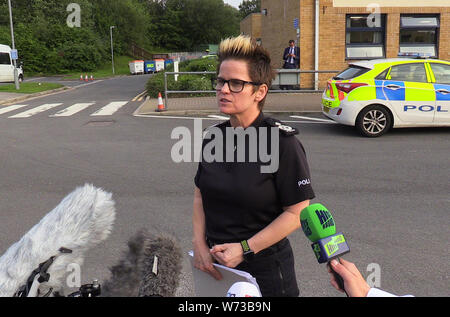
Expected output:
(30, 88)
(120, 68)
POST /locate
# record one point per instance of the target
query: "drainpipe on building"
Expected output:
(316, 46)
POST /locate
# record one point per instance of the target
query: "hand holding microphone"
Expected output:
(355, 285)
(318, 225)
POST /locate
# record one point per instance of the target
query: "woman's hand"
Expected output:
(204, 261)
(228, 254)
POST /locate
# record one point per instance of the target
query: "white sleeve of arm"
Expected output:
(375, 292)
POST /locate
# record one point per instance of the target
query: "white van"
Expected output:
(7, 66)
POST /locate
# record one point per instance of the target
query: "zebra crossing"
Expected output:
(51, 108)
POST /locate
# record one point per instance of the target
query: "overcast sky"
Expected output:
(234, 3)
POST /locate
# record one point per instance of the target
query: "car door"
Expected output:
(6, 68)
(410, 93)
(441, 78)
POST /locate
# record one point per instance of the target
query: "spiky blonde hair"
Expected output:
(257, 58)
(237, 46)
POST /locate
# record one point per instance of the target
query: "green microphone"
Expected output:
(318, 225)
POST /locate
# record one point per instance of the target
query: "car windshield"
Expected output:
(351, 72)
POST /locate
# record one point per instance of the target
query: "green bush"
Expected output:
(156, 85)
(185, 82)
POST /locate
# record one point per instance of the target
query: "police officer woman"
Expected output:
(241, 215)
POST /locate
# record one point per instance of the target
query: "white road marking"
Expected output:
(88, 84)
(313, 119)
(110, 108)
(72, 110)
(36, 110)
(215, 119)
(11, 108)
(219, 117)
(172, 117)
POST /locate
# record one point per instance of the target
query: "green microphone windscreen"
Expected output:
(317, 222)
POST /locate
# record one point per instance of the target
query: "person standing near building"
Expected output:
(242, 216)
(291, 58)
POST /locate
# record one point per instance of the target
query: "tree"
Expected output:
(185, 24)
(249, 6)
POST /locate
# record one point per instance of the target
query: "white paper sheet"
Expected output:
(207, 286)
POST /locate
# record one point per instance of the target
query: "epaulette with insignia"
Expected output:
(284, 129)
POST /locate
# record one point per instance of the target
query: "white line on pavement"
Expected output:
(218, 117)
(313, 119)
(36, 110)
(72, 110)
(215, 119)
(91, 83)
(11, 108)
(110, 108)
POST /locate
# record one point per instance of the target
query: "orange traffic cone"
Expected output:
(92, 78)
(86, 78)
(160, 104)
(81, 78)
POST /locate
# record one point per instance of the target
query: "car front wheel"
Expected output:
(373, 121)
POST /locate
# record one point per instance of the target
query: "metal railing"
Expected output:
(280, 80)
(167, 92)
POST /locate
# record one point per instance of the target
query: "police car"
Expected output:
(377, 95)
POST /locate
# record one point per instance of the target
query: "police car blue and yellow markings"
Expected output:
(390, 90)
(442, 92)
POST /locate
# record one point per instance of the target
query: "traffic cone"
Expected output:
(81, 78)
(160, 104)
(86, 78)
(92, 78)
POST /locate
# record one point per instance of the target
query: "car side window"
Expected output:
(382, 76)
(4, 59)
(441, 73)
(409, 72)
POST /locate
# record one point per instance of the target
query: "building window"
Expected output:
(364, 38)
(419, 34)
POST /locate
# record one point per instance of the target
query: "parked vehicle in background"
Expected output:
(377, 95)
(7, 66)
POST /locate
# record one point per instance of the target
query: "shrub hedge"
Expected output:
(186, 82)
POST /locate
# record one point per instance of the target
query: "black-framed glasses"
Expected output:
(235, 85)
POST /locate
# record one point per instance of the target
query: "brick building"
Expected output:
(351, 30)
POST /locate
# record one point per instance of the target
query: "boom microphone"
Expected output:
(318, 225)
(83, 219)
(150, 268)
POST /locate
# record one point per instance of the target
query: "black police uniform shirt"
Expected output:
(239, 200)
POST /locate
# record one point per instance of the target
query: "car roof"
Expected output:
(4, 48)
(371, 63)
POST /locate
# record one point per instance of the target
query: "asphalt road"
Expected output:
(390, 195)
